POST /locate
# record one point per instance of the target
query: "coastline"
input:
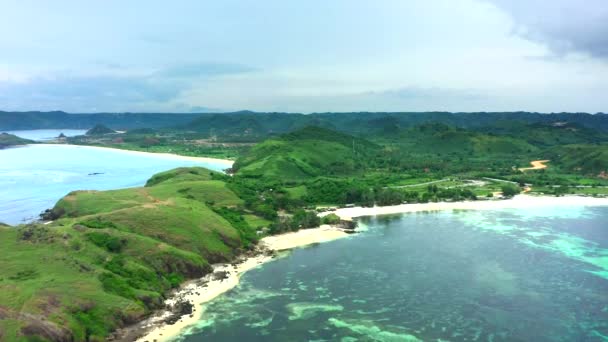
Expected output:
(519, 201)
(224, 278)
(227, 276)
(226, 162)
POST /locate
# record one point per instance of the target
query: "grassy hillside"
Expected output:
(8, 140)
(110, 256)
(547, 134)
(439, 139)
(100, 129)
(304, 154)
(586, 159)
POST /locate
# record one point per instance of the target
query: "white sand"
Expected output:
(519, 201)
(199, 294)
(303, 237)
(226, 162)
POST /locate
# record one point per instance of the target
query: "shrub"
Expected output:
(114, 284)
(111, 243)
(331, 219)
(97, 223)
(510, 190)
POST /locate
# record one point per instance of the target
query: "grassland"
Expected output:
(109, 257)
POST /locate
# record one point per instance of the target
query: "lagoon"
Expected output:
(34, 177)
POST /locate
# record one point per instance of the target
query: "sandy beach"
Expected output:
(204, 290)
(519, 201)
(226, 162)
(201, 291)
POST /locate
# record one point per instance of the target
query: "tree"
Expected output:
(510, 190)
(330, 219)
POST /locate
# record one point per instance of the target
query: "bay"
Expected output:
(34, 177)
(503, 275)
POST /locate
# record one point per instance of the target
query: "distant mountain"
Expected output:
(255, 125)
(117, 121)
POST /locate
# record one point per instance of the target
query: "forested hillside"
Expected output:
(254, 124)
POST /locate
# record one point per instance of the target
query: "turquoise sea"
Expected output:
(34, 177)
(504, 275)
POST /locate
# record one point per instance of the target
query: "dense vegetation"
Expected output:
(315, 166)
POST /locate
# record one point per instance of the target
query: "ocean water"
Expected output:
(504, 275)
(34, 177)
(46, 134)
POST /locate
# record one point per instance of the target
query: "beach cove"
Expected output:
(205, 294)
(211, 286)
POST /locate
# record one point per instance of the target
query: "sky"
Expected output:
(304, 56)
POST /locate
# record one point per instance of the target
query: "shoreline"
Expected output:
(227, 276)
(226, 162)
(519, 201)
(223, 278)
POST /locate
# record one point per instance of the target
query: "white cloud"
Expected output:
(341, 55)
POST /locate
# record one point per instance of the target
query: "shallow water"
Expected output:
(505, 275)
(34, 177)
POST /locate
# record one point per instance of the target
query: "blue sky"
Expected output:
(304, 56)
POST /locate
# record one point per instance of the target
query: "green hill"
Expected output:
(547, 134)
(110, 256)
(438, 138)
(587, 159)
(100, 130)
(8, 140)
(304, 154)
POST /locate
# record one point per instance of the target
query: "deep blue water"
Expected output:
(33, 178)
(505, 275)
